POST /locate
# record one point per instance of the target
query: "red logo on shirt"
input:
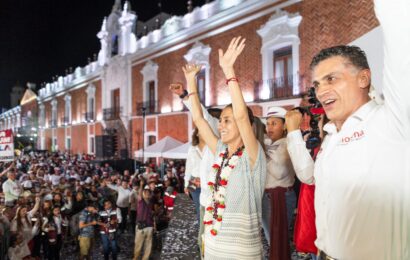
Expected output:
(354, 137)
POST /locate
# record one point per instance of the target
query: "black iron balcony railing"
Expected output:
(89, 116)
(150, 107)
(26, 121)
(52, 123)
(26, 130)
(273, 89)
(112, 113)
(65, 120)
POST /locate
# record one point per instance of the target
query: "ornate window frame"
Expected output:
(149, 73)
(199, 54)
(282, 30)
(67, 108)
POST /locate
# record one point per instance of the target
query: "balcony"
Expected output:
(26, 130)
(65, 120)
(89, 116)
(112, 113)
(52, 123)
(27, 121)
(151, 107)
(274, 89)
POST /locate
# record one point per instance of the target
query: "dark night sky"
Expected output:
(40, 39)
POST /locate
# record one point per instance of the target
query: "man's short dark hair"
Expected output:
(354, 54)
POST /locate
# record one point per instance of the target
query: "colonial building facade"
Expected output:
(125, 93)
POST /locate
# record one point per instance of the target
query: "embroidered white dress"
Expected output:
(239, 236)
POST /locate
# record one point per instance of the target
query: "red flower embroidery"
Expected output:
(216, 166)
(217, 200)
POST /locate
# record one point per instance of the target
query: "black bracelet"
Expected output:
(183, 95)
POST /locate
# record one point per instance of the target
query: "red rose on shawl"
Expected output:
(223, 182)
(214, 232)
(221, 206)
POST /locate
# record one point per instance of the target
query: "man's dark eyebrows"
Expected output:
(316, 83)
(333, 73)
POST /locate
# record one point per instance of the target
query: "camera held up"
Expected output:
(314, 110)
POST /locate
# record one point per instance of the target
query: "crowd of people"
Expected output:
(49, 200)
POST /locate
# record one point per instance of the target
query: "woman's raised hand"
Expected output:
(227, 59)
(190, 71)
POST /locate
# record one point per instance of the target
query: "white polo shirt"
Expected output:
(362, 172)
(207, 156)
(193, 162)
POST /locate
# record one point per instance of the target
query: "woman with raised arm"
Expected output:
(233, 211)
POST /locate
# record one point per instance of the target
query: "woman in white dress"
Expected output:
(233, 212)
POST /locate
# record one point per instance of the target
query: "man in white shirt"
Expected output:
(123, 201)
(362, 172)
(55, 178)
(192, 176)
(11, 188)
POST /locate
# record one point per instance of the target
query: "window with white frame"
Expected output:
(68, 143)
(53, 122)
(42, 115)
(150, 138)
(280, 56)
(199, 54)
(150, 86)
(67, 111)
(91, 144)
(54, 144)
(90, 115)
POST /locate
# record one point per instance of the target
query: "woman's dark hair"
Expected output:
(13, 240)
(215, 112)
(195, 137)
(250, 113)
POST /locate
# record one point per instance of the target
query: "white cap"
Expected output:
(279, 112)
(48, 197)
(27, 184)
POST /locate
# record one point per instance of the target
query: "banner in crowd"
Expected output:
(6, 145)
